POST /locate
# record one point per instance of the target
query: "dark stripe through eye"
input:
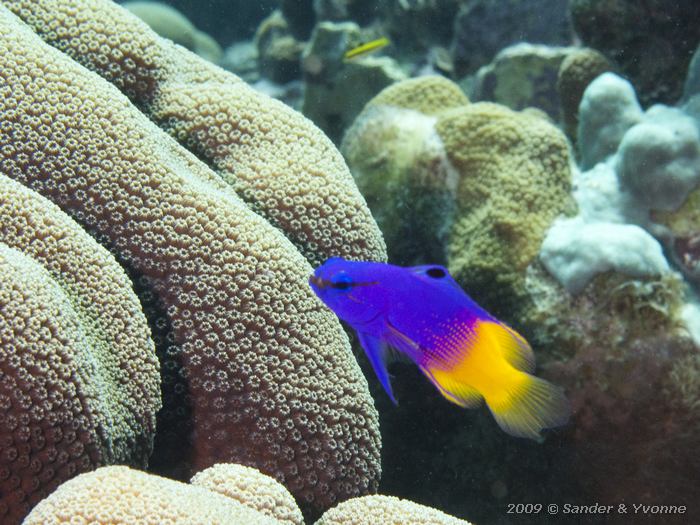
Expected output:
(437, 273)
(342, 285)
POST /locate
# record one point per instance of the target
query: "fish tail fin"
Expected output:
(522, 404)
(493, 364)
(529, 405)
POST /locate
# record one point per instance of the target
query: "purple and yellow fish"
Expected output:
(469, 355)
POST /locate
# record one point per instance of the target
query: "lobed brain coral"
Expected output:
(123, 496)
(255, 369)
(387, 510)
(79, 381)
(253, 489)
(278, 161)
(429, 95)
(514, 180)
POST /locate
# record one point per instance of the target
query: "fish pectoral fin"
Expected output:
(407, 350)
(378, 354)
(453, 390)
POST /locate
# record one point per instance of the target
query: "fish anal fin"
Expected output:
(514, 348)
(378, 354)
(459, 393)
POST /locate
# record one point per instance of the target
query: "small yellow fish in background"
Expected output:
(367, 48)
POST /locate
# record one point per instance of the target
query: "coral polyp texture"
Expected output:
(515, 179)
(387, 510)
(79, 381)
(255, 369)
(481, 180)
(123, 496)
(278, 161)
(251, 488)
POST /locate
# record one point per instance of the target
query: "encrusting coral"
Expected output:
(79, 381)
(123, 496)
(251, 488)
(514, 180)
(387, 510)
(282, 165)
(265, 371)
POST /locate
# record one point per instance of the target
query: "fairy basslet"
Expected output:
(469, 355)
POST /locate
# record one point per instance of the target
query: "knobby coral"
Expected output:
(265, 370)
(387, 510)
(278, 162)
(251, 488)
(122, 496)
(79, 382)
(515, 179)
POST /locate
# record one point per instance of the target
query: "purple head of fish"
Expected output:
(351, 289)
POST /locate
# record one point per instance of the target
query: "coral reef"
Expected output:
(521, 76)
(485, 27)
(122, 496)
(336, 89)
(515, 179)
(608, 109)
(251, 488)
(631, 370)
(429, 95)
(254, 368)
(285, 168)
(580, 67)
(394, 151)
(168, 22)
(651, 42)
(79, 385)
(647, 169)
(456, 176)
(370, 510)
(279, 53)
(505, 175)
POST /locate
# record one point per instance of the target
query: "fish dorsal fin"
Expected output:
(378, 354)
(514, 348)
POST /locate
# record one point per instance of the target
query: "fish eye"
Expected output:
(342, 281)
(436, 273)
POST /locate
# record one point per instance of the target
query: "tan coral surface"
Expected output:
(251, 488)
(265, 370)
(385, 510)
(79, 378)
(123, 496)
(277, 160)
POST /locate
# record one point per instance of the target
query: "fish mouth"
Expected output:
(317, 281)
